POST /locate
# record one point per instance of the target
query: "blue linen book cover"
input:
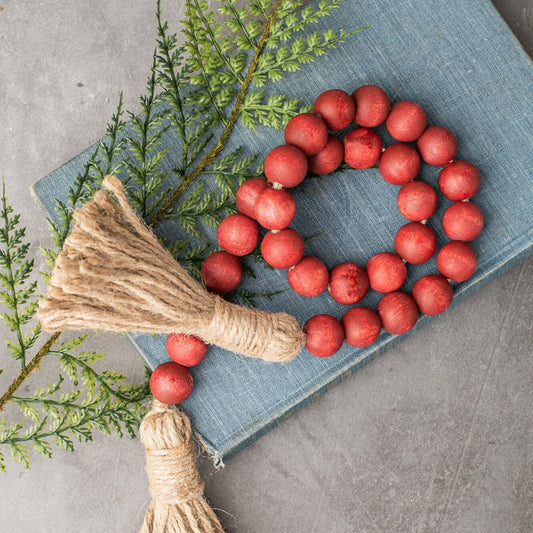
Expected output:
(463, 65)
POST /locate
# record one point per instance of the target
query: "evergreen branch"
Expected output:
(209, 158)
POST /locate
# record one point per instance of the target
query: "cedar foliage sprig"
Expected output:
(173, 158)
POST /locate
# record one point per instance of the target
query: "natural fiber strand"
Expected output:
(113, 274)
(178, 504)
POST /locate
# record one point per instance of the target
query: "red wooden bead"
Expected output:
(459, 180)
(362, 326)
(372, 105)
(433, 294)
(437, 145)
(362, 148)
(462, 221)
(286, 164)
(171, 383)
(457, 261)
(282, 249)
(238, 234)
(398, 312)
(406, 121)
(275, 208)
(415, 243)
(187, 350)
(325, 335)
(399, 164)
(417, 200)
(309, 277)
(386, 272)
(336, 108)
(308, 132)
(247, 194)
(221, 272)
(328, 159)
(348, 283)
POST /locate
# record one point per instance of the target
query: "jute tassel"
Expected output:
(178, 504)
(112, 274)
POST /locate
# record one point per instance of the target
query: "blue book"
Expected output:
(462, 64)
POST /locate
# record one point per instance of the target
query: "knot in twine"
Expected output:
(113, 274)
(178, 504)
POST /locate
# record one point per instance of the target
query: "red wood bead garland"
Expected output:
(238, 234)
(311, 148)
(325, 335)
(187, 350)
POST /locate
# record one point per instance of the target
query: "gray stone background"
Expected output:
(435, 436)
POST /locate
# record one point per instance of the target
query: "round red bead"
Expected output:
(308, 132)
(398, 312)
(386, 272)
(462, 221)
(286, 164)
(309, 277)
(187, 350)
(325, 335)
(238, 234)
(171, 383)
(282, 249)
(275, 208)
(415, 243)
(328, 159)
(348, 283)
(437, 145)
(372, 105)
(406, 121)
(362, 148)
(457, 261)
(336, 108)
(417, 200)
(399, 164)
(433, 294)
(221, 272)
(459, 180)
(247, 194)
(362, 326)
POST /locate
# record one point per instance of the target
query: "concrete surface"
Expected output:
(435, 436)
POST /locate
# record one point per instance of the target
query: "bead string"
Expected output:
(310, 147)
